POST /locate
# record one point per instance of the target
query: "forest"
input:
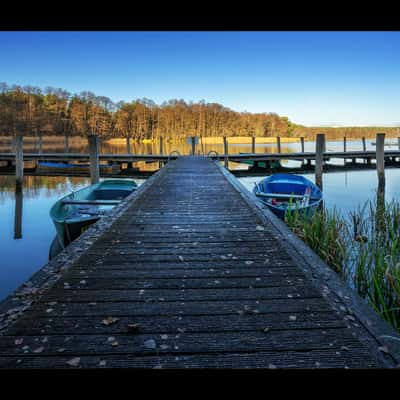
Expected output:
(32, 111)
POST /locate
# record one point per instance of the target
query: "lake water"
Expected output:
(25, 242)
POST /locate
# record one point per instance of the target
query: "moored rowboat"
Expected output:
(74, 213)
(288, 192)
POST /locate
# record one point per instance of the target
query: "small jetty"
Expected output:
(191, 271)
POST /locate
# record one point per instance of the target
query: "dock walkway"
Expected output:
(189, 276)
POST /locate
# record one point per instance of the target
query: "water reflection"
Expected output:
(18, 214)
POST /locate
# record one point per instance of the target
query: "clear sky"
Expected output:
(314, 78)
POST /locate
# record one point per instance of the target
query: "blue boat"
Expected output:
(282, 192)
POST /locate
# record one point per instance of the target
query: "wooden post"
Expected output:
(18, 213)
(398, 142)
(160, 163)
(66, 143)
(344, 144)
(380, 169)
(19, 161)
(319, 158)
(380, 159)
(193, 140)
(225, 153)
(40, 143)
(128, 145)
(302, 144)
(278, 143)
(253, 144)
(364, 144)
(94, 158)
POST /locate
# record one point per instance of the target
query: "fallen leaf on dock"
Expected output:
(249, 262)
(74, 361)
(272, 366)
(18, 341)
(260, 228)
(39, 349)
(292, 318)
(109, 321)
(102, 363)
(181, 258)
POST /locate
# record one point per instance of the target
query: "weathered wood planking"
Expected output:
(208, 283)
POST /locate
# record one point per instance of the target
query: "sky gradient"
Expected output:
(314, 78)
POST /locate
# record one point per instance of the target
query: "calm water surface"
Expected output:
(24, 246)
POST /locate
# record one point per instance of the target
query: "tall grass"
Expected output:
(363, 248)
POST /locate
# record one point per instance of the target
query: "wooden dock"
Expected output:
(191, 272)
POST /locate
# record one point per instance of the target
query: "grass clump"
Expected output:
(364, 249)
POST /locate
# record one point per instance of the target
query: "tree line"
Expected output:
(31, 111)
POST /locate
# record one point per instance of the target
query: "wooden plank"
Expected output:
(327, 358)
(147, 272)
(176, 324)
(149, 295)
(166, 309)
(201, 282)
(183, 343)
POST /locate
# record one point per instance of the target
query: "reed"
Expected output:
(326, 233)
(363, 248)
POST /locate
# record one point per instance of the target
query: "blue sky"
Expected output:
(314, 78)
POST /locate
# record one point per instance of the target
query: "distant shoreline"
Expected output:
(204, 140)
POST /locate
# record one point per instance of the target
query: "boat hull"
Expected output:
(289, 187)
(74, 213)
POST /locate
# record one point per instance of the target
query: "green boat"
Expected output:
(74, 213)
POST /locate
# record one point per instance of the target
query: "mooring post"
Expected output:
(40, 143)
(253, 144)
(364, 144)
(128, 145)
(94, 158)
(160, 163)
(398, 142)
(19, 161)
(380, 158)
(193, 140)
(225, 153)
(278, 143)
(66, 143)
(302, 144)
(344, 144)
(319, 158)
